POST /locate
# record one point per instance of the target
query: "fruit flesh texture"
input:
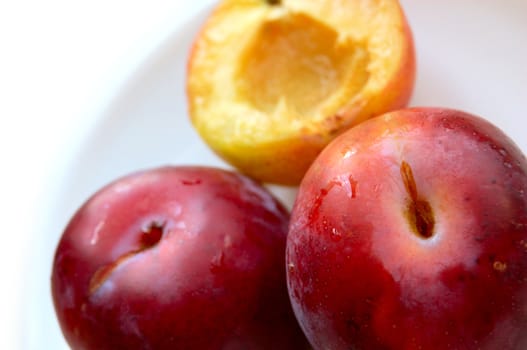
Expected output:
(301, 72)
(361, 275)
(187, 258)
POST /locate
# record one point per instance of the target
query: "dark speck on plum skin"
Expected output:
(191, 182)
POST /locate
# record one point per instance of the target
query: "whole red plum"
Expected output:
(176, 258)
(410, 232)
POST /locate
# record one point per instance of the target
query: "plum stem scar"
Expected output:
(150, 236)
(419, 212)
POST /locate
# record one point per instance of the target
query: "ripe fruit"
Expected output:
(410, 232)
(271, 83)
(176, 258)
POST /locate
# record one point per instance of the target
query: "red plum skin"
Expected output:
(410, 232)
(176, 258)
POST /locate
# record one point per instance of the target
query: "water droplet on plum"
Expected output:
(335, 234)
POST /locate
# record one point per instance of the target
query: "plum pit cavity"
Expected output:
(298, 63)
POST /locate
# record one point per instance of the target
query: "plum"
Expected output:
(410, 232)
(176, 258)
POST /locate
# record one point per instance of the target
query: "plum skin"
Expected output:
(359, 277)
(176, 258)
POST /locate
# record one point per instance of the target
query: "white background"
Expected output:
(62, 61)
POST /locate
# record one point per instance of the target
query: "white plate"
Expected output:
(471, 56)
